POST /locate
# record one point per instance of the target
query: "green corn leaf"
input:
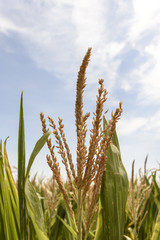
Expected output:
(11, 183)
(12, 191)
(40, 143)
(156, 230)
(21, 151)
(35, 204)
(91, 235)
(35, 211)
(113, 196)
(9, 224)
(21, 173)
(114, 138)
(69, 228)
(152, 209)
(98, 235)
(3, 214)
(69, 221)
(38, 232)
(57, 228)
(156, 190)
(2, 218)
(26, 192)
(61, 229)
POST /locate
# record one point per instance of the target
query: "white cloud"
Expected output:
(140, 125)
(146, 17)
(151, 81)
(50, 32)
(58, 33)
(146, 78)
(128, 126)
(153, 124)
(144, 36)
(6, 25)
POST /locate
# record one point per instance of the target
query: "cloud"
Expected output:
(153, 124)
(49, 36)
(146, 17)
(56, 35)
(6, 26)
(144, 77)
(140, 125)
(127, 126)
(143, 36)
(150, 75)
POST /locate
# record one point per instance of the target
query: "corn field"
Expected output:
(97, 202)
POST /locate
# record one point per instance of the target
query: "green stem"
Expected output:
(79, 233)
(86, 235)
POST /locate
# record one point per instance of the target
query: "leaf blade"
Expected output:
(40, 143)
(21, 172)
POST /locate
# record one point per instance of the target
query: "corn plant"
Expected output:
(96, 202)
(91, 163)
(9, 210)
(143, 207)
(20, 210)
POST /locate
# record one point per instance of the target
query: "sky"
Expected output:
(42, 44)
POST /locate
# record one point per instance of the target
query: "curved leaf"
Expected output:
(40, 143)
(35, 211)
(113, 196)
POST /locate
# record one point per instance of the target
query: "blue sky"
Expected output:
(42, 44)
